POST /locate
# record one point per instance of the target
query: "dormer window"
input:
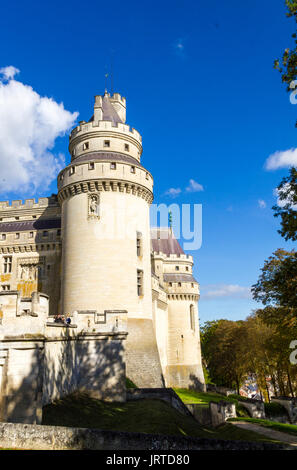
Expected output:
(107, 143)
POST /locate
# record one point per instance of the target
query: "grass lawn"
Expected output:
(146, 416)
(201, 398)
(282, 427)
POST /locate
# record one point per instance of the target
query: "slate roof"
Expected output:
(162, 239)
(27, 225)
(168, 277)
(106, 157)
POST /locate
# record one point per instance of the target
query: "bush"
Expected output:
(130, 384)
(274, 409)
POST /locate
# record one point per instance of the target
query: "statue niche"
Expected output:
(93, 206)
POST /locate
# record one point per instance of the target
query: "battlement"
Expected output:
(29, 203)
(20, 315)
(119, 128)
(172, 256)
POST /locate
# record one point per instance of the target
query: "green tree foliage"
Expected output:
(223, 350)
(287, 192)
(277, 284)
(287, 65)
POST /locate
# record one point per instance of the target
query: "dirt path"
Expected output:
(271, 433)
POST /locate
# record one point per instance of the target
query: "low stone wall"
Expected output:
(201, 413)
(255, 408)
(290, 404)
(165, 394)
(36, 437)
(221, 412)
(222, 390)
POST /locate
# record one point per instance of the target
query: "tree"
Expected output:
(223, 348)
(277, 284)
(287, 210)
(287, 65)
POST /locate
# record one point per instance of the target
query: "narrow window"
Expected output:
(3, 236)
(132, 169)
(187, 268)
(86, 146)
(45, 233)
(179, 284)
(91, 166)
(7, 262)
(107, 143)
(170, 284)
(31, 235)
(113, 166)
(127, 147)
(72, 170)
(17, 236)
(192, 317)
(176, 268)
(192, 284)
(139, 282)
(139, 243)
(59, 232)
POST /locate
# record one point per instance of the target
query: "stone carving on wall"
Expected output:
(30, 269)
(93, 206)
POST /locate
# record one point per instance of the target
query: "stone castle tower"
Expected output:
(90, 249)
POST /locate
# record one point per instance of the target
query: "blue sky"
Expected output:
(202, 91)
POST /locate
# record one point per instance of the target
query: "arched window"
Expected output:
(192, 317)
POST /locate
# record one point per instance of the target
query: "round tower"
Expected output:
(105, 194)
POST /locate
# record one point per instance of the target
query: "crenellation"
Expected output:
(28, 203)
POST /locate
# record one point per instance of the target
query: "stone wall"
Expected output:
(142, 356)
(165, 394)
(255, 408)
(58, 438)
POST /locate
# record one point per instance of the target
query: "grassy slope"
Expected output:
(202, 398)
(147, 416)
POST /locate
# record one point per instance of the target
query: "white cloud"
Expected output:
(262, 204)
(29, 126)
(226, 290)
(194, 187)
(282, 159)
(9, 72)
(179, 47)
(173, 192)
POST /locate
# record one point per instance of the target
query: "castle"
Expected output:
(89, 253)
